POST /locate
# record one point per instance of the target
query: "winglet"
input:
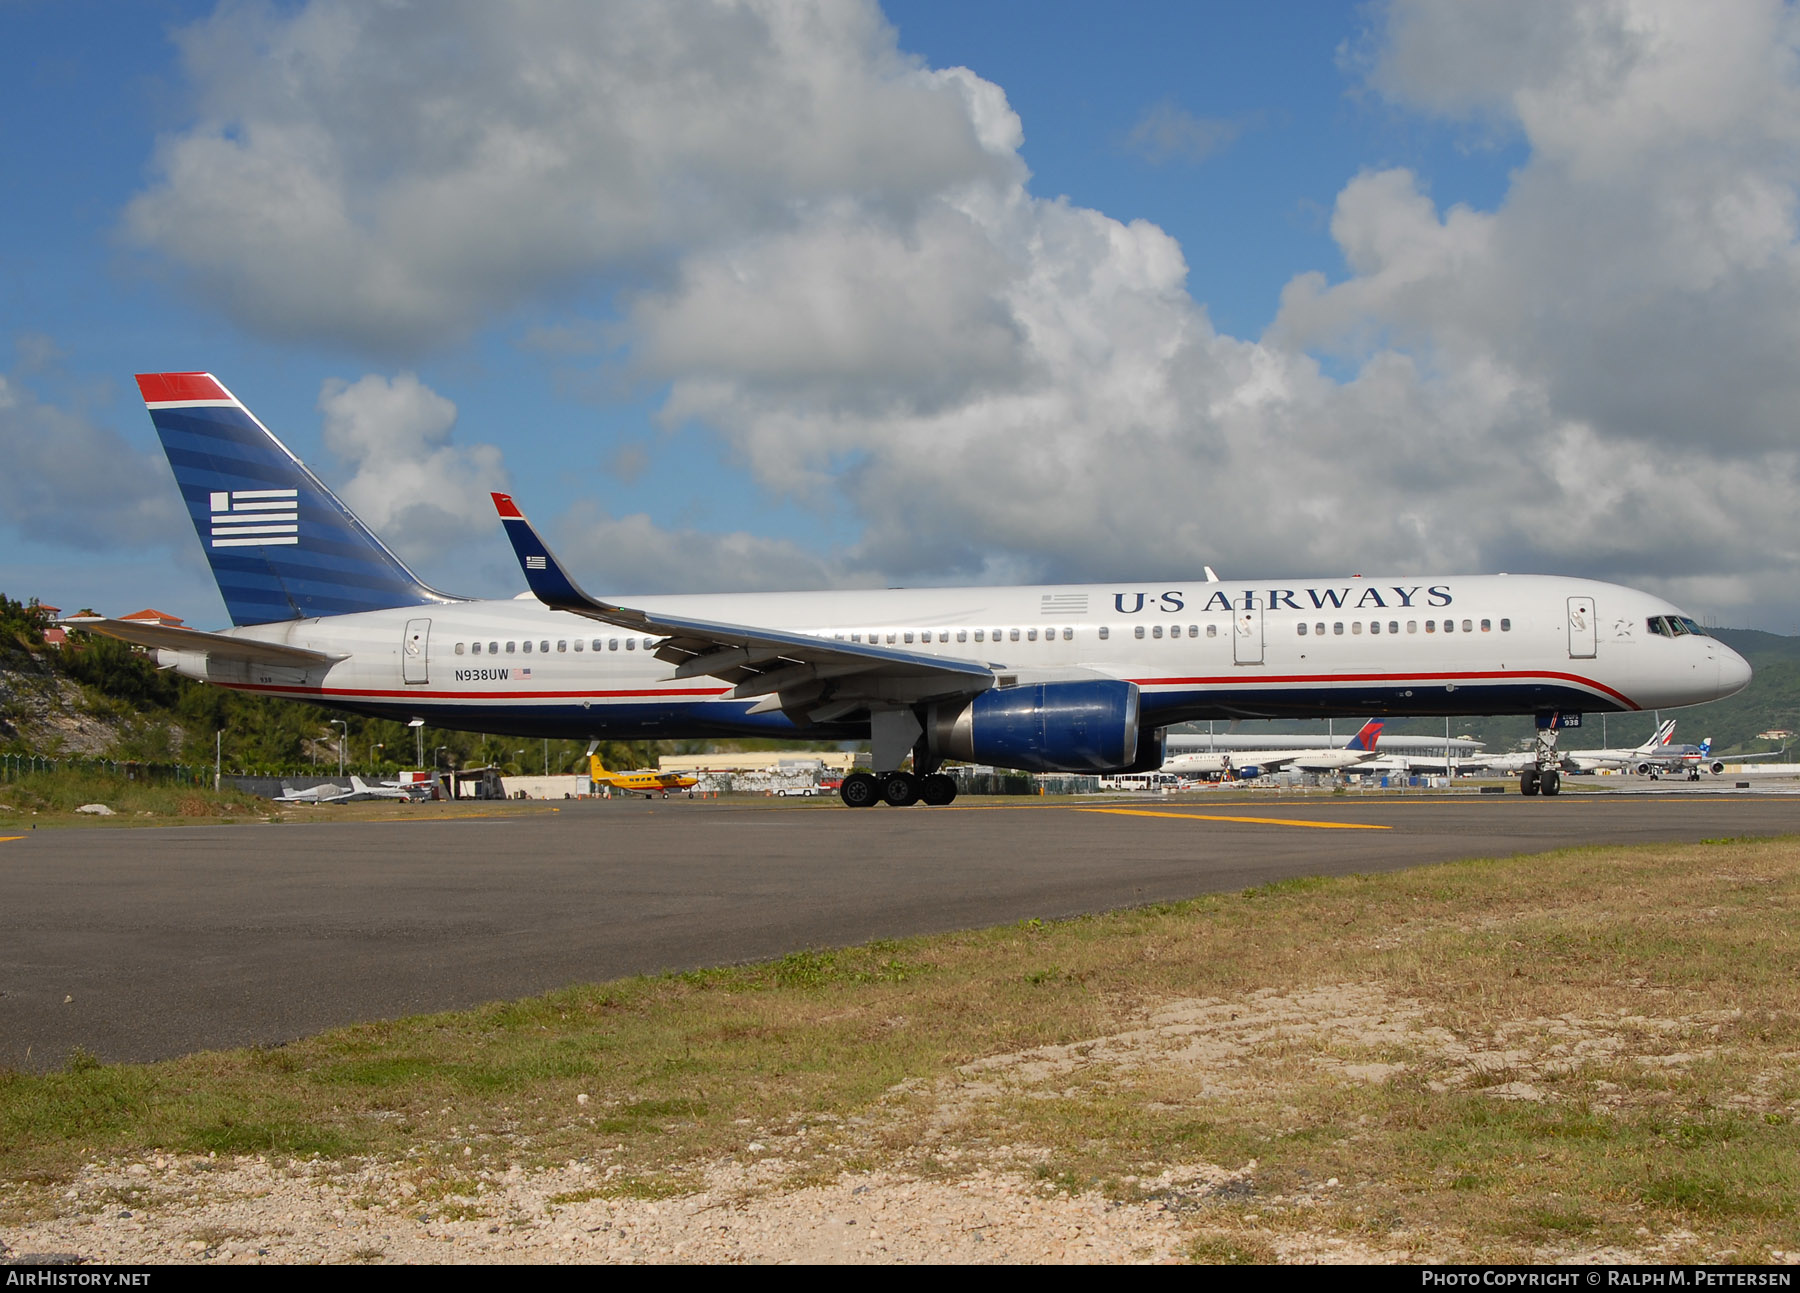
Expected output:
(544, 574)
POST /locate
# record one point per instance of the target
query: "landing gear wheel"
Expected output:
(1528, 782)
(900, 789)
(937, 790)
(1550, 782)
(860, 790)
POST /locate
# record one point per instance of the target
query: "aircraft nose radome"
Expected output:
(1734, 672)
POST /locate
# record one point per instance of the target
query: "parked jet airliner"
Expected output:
(1079, 678)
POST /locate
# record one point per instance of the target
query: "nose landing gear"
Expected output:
(1545, 776)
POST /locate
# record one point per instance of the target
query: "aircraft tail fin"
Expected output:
(1705, 747)
(1366, 738)
(282, 546)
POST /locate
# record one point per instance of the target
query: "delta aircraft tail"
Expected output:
(282, 546)
(1366, 738)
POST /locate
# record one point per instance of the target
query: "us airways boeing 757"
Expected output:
(1075, 678)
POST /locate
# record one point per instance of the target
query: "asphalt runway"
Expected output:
(144, 944)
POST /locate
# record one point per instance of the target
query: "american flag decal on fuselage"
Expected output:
(243, 518)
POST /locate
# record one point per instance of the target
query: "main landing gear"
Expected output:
(898, 789)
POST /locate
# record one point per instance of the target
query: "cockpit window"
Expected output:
(1694, 628)
(1676, 628)
(1658, 625)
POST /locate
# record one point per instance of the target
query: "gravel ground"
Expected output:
(251, 1211)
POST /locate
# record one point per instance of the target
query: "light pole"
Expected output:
(218, 755)
(343, 735)
(418, 727)
(546, 756)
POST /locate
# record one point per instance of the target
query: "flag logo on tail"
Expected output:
(243, 518)
(534, 563)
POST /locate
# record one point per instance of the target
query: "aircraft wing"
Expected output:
(218, 646)
(825, 676)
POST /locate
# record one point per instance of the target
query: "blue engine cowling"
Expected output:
(1043, 727)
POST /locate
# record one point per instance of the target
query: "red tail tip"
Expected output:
(176, 388)
(508, 510)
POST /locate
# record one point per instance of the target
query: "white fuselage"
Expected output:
(1269, 649)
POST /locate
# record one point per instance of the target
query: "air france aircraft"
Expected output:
(1075, 678)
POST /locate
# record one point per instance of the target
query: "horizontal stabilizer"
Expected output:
(217, 646)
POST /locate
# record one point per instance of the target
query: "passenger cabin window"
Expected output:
(962, 635)
(1412, 626)
(1468, 626)
(1068, 635)
(510, 648)
(1487, 626)
(612, 644)
(631, 644)
(943, 635)
(1393, 626)
(459, 648)
(1302, 627)
(1337, 628)
(1137, 631)
(1014, 635)
(1449, 626)
(981, 635)
(1506, 626)
(1431, 626)
(1212, 630)
(907, 635)
(1374, 626)
(563, 645)
(528, 648)
(1355, 627)
(1105, 632)
(1156, 630)
(1318, 630)
(474, 648)
(493, 648)
(1193, 630)
(578, 644)
(1030, 635)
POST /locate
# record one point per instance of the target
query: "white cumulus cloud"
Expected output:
(411, 484)
(833, 257)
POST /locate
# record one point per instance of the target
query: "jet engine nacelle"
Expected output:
(1042, 727)
(1717, 768)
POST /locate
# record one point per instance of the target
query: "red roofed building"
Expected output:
(154, 617)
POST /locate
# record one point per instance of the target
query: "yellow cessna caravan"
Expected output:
(647, 784)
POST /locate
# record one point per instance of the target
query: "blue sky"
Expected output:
(683, 385)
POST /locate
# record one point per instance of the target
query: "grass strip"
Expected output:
(1580, 1051)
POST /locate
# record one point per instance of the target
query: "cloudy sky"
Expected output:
(796, 295)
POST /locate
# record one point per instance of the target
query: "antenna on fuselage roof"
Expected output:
(1211, 577)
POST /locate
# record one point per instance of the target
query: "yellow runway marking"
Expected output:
(1259, 821)
(5, 838)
